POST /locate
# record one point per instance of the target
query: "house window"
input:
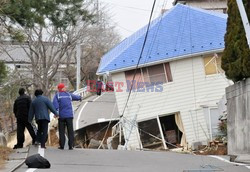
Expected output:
(129, 78)
(212, 65)
(157, 73)
(168, 72)
(160, 73)
(149, 132)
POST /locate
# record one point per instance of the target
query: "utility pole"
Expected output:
(244, 19)
(78, 64)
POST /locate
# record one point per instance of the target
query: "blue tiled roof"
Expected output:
(181, 31)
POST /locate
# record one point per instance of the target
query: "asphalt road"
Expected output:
(96, 109)
(92, 160)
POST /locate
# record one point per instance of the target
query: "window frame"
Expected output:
(144, 74)
(216, 67)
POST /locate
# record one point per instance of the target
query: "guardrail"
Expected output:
(82, 92)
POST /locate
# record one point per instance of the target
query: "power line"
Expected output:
(143, 46)
(125, 28)
(134, 8)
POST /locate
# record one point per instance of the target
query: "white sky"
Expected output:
(131, 15)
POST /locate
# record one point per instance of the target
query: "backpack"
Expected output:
(37, 161)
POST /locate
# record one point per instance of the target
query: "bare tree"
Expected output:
(49, 48)
(98, 39)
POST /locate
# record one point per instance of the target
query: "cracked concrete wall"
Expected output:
(238, 120)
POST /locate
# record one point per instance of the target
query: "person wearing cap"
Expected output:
(63, 104)
(21, 110)
(39, 108)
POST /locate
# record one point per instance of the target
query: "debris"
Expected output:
(4, 152)
(214, 147)
(94, 144)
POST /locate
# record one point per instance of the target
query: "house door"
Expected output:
(212, 118)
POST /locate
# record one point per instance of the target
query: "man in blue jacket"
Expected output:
(63, 104)
(39, 108)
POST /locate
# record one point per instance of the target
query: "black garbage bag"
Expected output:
(37, 161)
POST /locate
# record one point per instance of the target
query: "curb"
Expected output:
(21, 163)
(227, 161)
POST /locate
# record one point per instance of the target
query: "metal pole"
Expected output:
(210, 124)
(244, 19)
(161, 132)
(78, 64)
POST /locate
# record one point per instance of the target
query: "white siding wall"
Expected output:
(190, 89)
(215, 5)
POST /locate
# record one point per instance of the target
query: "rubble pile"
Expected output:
(214, 147)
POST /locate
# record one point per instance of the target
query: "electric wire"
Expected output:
(145, 60)
(134, 77)
(147, 55)
(143, 46)
(149, 51)
(106, 132)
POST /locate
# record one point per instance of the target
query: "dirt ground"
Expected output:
(13, 139)
(217, 149)
(4, 153)
(53, 139)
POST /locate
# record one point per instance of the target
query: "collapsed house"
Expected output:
(95, 120)
(178, 82)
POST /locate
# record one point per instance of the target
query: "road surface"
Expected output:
(93, 160)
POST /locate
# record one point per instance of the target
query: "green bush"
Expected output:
(223, 128)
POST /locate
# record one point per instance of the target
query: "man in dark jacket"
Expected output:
(40, 107)
(21, 111)
(62, 102)
(98, 87)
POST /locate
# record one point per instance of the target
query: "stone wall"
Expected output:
(238, 108)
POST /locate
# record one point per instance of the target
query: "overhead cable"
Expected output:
(143, 46)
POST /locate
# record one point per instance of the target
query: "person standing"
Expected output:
(39, 108)
(21, 111)
(63, 104)
(99, 87)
